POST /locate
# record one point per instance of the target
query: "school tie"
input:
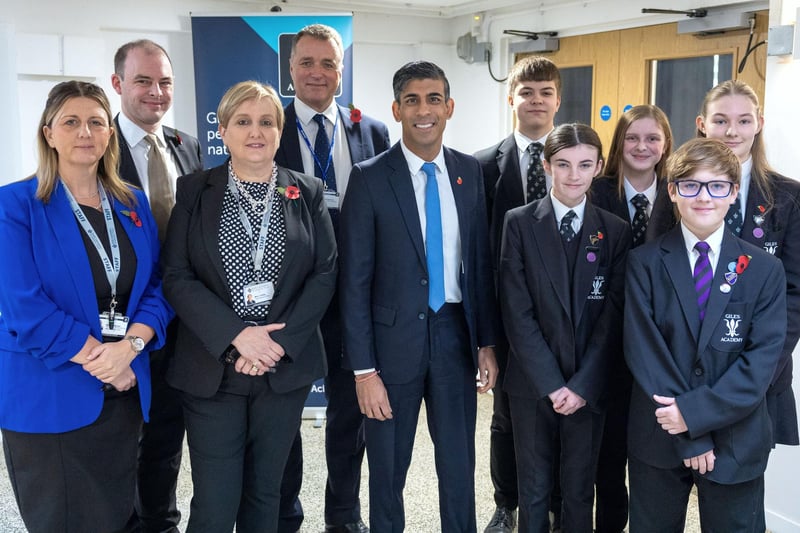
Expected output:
(160, 184)
(322, 151)
(640, 218)
(703, 275)
(734, 217)
(566, 230)
(433, 239)
(537, 183)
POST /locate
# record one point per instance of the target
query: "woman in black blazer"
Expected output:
(641, 144)
(250, 267)
(768, 209)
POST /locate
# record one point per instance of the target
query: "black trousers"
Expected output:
(502, 459)
(611, 492)
(82, 480)
(659, 498)
(239, 441)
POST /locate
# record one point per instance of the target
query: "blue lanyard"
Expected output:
(329, 159)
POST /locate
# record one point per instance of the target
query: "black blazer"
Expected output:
(502, 180)
(556, 340)
(184, 148)
(604, 194)
(365, 139)
(718, 371)
(195, 283)
(384, 280)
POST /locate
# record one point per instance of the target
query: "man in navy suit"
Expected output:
(705, 323)
(534, 94)
(417, 302)
(315, 64)
(143, 78)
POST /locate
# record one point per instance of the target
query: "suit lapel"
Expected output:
(211, 213)
(548, 240)
(676, 263)
(510, 182)
(400, 182)
(754, 199)
(718, 300)
(137, 235)
(293, 213)
(178, 150)
(585, 271)
(353, 133)
(290, 140)
(127, 168)
(459, 194)
(662, 217)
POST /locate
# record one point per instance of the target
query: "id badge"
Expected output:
(259, 293)
(331, 199)
(120, 325)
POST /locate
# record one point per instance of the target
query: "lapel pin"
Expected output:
(459, 180)
(758, 219)
(725, 288)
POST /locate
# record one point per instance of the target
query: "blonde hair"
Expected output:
(615, 153)
(47, 171)
(702, 153)
(242, 92)
(758, 152)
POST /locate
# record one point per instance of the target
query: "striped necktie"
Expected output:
(703, 275)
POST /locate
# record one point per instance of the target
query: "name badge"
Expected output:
(117, 329)
(331, 199)
(259, 293)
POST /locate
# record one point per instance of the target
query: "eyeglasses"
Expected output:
(716, 189)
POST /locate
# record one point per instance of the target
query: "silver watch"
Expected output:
(137, 343)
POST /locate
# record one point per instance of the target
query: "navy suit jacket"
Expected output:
(365, 139)
(48, 308)
(195, 283)
(562, 331)
(384, 279)
(184, 148)
(605, 195)
(781, 238)
(718, 370)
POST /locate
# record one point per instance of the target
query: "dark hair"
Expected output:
(418, 70)
(703, 153)
(47, 172)
(614, 163)
(534, 68)
(148, 46)
(569, 135)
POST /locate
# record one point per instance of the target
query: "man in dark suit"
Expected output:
(417, 302)
(316, 69)
(705, 323)
(143, 78)
(534, 94)
(561, 279)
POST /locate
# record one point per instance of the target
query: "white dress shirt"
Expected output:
(560, 210)
(650, 194)
(714, 241)
(525, 157)
(140, 151)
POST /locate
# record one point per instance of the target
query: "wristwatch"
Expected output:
(137, 343)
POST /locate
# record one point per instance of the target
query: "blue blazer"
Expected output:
(718, 370)
(383, 288)
(365, 139)
(48, 308)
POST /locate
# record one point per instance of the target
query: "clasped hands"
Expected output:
(259, 353)
(671, 420)
(110, 362)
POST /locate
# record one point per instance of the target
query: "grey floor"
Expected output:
(421, 490)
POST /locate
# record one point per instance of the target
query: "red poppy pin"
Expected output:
(355, 114)
(178, 139)
(134, 218)
(761, 209)
(459, 180)
(291, 192)
(742, 263)
(594, 239)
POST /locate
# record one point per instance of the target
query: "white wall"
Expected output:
(781, 116)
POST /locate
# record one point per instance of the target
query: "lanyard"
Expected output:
(112, 266)
(261, 245)
(329, 159)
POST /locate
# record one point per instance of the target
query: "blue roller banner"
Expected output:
(229, 49)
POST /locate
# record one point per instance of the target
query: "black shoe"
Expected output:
(503, 521)
(352, 527)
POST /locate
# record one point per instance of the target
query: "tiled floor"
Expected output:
(421, 490)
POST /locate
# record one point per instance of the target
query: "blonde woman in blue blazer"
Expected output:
(80, 308)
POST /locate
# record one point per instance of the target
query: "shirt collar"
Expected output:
(650, 192)
(415, 162)
(747, 168)
(523, 141)
(306, 113)
(134, 134)
(714, 240)
(560, 209)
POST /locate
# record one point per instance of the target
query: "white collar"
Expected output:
(134, 134)
(306, 113)
(560, 209)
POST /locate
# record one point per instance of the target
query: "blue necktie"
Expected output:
(433, 239)
(322, 151)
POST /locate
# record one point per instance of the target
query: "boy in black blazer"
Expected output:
(562, 268)
(705, 322)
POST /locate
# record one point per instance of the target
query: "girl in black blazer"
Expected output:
(641, 144)
(768, 216)
(250, 267)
